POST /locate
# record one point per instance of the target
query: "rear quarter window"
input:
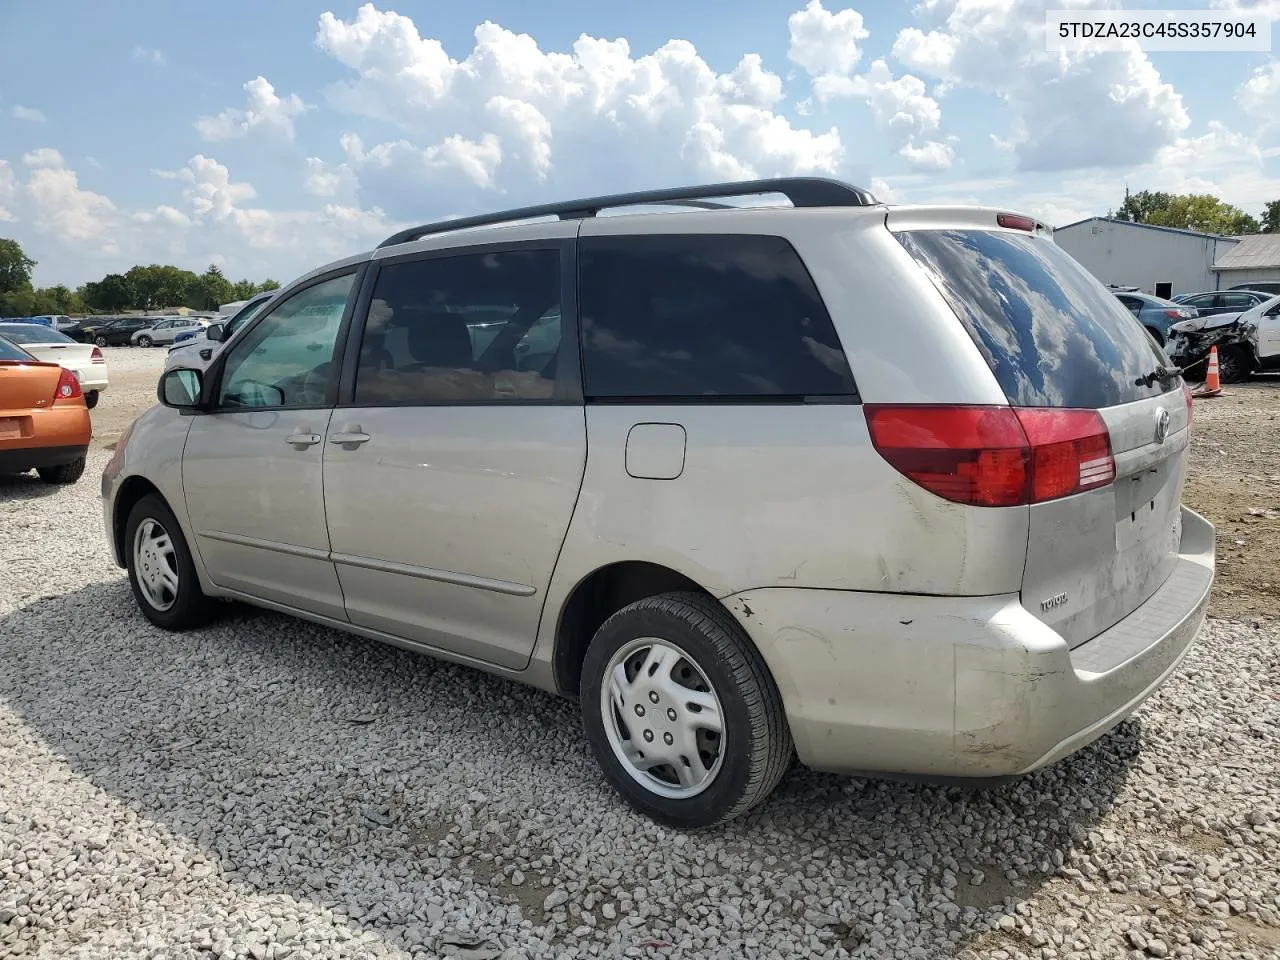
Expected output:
(1051, 333)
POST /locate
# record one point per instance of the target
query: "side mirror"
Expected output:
(214, 332)
(180, 388)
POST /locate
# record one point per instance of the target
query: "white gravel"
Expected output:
(268, 789)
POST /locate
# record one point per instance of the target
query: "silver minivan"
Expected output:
(892, 489)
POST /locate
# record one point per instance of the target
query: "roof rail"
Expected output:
(801, 191)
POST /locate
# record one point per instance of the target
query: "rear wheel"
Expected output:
(1234, 364)
(144, 341)
(63, 473)
(161, 571)
(100, 341)
(91, 399)
(681, 712)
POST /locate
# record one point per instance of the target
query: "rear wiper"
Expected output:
(1162, 373)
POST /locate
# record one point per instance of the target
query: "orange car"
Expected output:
(44, 422)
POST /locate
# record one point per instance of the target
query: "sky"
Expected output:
(270, 138)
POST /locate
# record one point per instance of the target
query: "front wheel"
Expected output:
(161, 572)
(681, 712)
(1234, 364)
(144, 341)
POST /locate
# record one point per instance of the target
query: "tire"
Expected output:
(170, 609)
(144, 341)
(100, 341)
(91, 399)
(699, 643)
(63, 473)
(1234, 364)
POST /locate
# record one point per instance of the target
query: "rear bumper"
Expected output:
(28, 458)
(964, 686)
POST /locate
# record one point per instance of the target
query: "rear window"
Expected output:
(34, 333)
(1052, 334)
(690, 317)
(10, 351)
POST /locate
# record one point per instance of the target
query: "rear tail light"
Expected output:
(68, 387)
(96, 356)
(994, 456)
(1015, 222)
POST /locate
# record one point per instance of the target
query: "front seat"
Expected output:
(439, 339)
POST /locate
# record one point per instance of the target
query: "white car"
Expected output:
(85, 360)
(197, 349)
(165, 330)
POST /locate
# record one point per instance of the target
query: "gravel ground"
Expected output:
(265, 788)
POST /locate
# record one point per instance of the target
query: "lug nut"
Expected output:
(639, 710)
(671, 714)
(668, 739)
(648, 736)
(653, 697)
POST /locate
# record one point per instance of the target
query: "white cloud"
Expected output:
(30, 114)
(1070, 110)
(264, 110)
(510, 117)
(150, 55)
(58, 205)
(43, 157)
(1260, 94)
(8, 192)
(1269, 8)
(823, 42)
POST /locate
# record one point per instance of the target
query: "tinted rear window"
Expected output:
(8, 351)
(705, 317)
(1052, 334)
(34, 333)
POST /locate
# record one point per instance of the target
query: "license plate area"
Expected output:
(1146, 506)
(11, 428)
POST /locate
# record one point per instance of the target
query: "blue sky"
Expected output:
(270, 137)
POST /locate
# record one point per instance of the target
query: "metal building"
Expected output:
(1164, 261)
(1253, 260)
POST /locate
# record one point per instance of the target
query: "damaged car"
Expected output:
(1246, 342)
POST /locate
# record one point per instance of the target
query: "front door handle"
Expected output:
(303, 438)
(351, 434)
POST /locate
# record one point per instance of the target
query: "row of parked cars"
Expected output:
(1243, 323)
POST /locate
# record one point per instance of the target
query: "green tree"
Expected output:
(243, 289)
(211, 290)
(18, 303)
(158, 286)
(15, 267)
(111, 294)
(1271, 217)
(1204, 212)
(268, 284)
(1141, 206)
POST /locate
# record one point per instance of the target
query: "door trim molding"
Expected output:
(275, 546)
(431, 573)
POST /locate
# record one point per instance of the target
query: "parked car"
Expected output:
(196, 348)
(1262, 286)
(84, 360)
(1156, 313)
(1216, 302)
(733, 512)
(44, 423)
(119, 332)
(1247, 342)
(163, 331)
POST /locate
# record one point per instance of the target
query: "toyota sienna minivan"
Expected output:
(888, 489)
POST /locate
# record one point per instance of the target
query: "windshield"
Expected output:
(1052, 334)
(33, 333)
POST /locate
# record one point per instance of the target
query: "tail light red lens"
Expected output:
(68, 387)
(1015, 221)
(994, 456)
(96, 356)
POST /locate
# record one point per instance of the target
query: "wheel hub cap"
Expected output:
(662, 718)
(155, 564)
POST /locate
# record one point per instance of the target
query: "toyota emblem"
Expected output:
(1162, 424)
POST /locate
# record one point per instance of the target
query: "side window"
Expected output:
(472, 328)
(1134, 305)
(1237, 301)
(1204, 302)
(286, 359)
(692, 316)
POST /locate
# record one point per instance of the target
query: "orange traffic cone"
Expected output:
(1212, 385)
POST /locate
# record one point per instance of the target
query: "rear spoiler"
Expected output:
(957, 217)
